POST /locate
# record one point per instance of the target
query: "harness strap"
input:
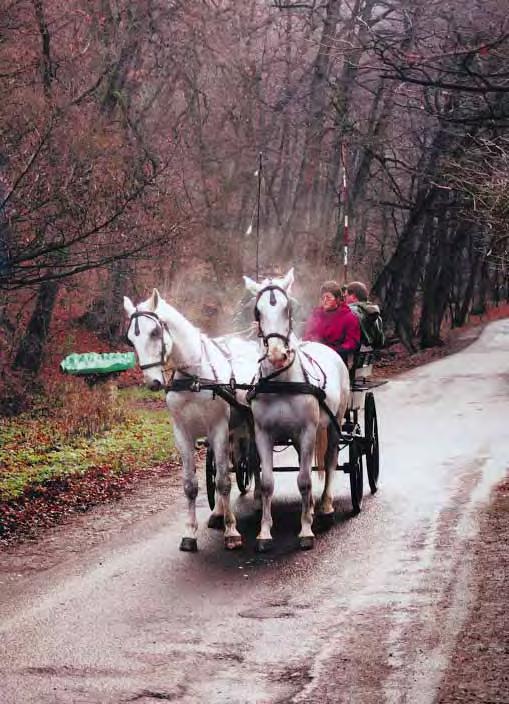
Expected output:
(191, 383)
(228, 356)
(314, 363)
(207, 357)
(294, 388)
(304, 372)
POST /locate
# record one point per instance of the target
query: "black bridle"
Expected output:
(162, 327)
(272, 300)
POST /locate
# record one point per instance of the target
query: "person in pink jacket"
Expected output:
(333, 323)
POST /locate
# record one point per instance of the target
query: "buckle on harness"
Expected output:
(233, 383)
(195, 385)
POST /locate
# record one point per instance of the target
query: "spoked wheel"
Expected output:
(247, 467)
(356, 481)
(371, 434)
(210, 476)
(243, 470)
(243, 475)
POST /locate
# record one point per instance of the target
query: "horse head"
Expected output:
(273, 313)
(151, 339)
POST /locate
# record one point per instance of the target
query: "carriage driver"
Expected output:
(333, 323)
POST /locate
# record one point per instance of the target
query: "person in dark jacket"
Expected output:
(333, 323)
(372, 332)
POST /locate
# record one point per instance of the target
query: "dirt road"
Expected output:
(107, 610)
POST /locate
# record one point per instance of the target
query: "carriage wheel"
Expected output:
(243, 474)
(210, 476)
(371, 434)
(356, 481)
(247, 466)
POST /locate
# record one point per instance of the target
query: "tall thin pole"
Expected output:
(258, 215)
(346, 233)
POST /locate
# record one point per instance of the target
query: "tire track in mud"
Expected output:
(396, 643)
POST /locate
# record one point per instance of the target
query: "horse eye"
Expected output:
(155, 333)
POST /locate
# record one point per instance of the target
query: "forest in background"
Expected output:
(131, 135)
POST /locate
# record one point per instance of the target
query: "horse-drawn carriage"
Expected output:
(359, 435)
(223, 389)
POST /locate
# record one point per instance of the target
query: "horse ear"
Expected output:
(288, 281)
(128, 306)
(251, 285)
(154, 300)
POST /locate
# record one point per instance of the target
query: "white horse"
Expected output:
(294, 415)
(167, 343)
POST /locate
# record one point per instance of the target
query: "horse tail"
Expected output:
(321, 449)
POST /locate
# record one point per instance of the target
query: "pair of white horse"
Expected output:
(169, 346)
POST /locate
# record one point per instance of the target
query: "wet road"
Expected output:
(97, 614)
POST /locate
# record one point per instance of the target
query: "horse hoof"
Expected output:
(307, 542)
(326, 520)
(233, 542)
(189, 545)
(216, 521)
(264, 544)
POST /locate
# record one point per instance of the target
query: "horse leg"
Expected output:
(216, 518)
(185, 446)
(265, 446)
(257, 493)
(331, 461)
(220, 445)
(307, 447)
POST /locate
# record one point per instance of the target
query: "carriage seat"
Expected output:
(360, 363)
(360, 369)
(363, 362)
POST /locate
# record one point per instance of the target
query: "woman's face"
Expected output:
(328, 301)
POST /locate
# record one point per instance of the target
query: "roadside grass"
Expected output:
(83, 430)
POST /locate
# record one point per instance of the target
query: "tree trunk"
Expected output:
(318, 102)
(31, 348)
(462, 309)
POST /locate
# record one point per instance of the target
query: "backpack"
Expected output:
(372, 330)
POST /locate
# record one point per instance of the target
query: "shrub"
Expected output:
(79, 410)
